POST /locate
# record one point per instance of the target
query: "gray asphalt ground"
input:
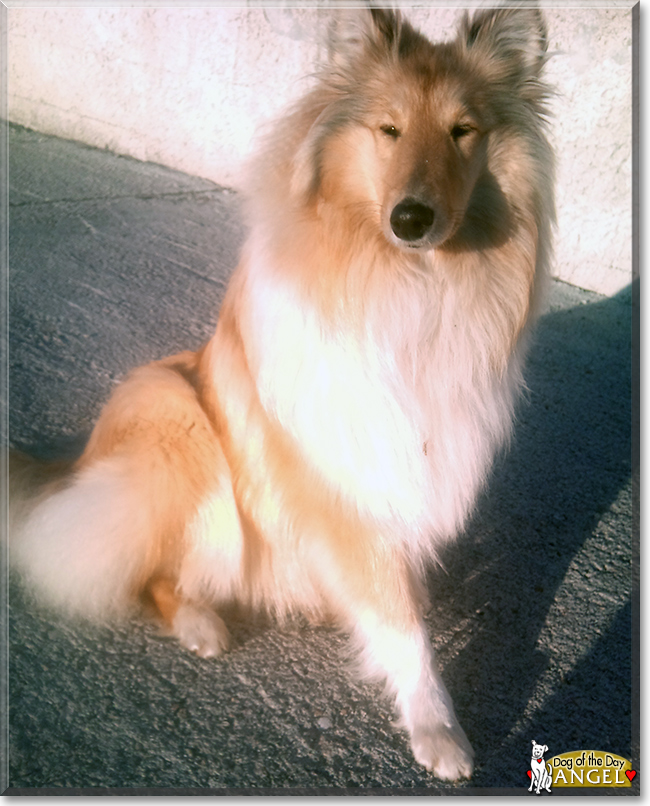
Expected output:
(114, 263)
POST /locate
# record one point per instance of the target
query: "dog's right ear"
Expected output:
(354, 32)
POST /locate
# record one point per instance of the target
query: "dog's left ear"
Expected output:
(512, 40)
(355, 32)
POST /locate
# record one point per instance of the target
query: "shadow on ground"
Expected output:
(548, 556)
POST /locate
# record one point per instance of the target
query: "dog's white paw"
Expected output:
(444, 751)
(200, 630)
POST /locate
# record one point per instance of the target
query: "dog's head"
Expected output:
(403, 133)
(539, 750)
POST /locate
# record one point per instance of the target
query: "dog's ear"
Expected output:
(355, 32)
(512, 41)
(353, 36)
(545, 748)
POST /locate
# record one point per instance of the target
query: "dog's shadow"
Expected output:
(543, 575)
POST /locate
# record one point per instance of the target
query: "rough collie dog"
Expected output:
(335, 432)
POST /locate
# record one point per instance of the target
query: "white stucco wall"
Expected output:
(188, 86)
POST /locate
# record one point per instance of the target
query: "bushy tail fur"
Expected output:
(78, 537)
(90, 536)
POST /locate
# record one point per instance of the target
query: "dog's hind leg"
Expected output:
(197, 626)
(91, 541)
(211, 571)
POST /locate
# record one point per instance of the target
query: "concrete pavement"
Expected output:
(114, 263)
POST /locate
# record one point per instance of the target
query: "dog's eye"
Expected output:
(390, 130)
(461, 130)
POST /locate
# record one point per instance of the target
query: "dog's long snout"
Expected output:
(411, 220)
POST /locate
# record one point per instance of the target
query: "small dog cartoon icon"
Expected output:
(540, 776)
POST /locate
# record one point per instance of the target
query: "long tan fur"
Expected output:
(335, 432)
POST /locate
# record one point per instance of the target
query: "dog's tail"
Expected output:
(91, 536)
(77, 536)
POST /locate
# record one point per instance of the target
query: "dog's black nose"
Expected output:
(410, 220)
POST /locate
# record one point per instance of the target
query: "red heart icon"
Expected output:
(630, 774)
(529, 773)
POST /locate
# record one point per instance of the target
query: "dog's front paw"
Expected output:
(444, 751)
(200, 630)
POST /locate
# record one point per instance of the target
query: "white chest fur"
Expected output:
(396, 415)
